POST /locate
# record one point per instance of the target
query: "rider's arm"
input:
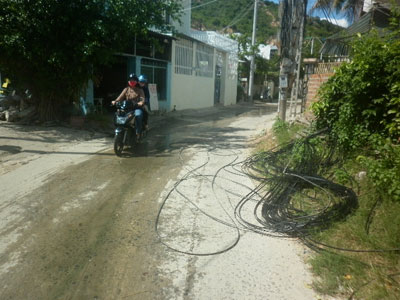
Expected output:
(141, 97)
(120, 97)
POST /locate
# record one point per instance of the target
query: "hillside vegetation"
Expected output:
(237, 16)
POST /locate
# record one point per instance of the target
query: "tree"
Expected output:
(53, 47)
(351, 8)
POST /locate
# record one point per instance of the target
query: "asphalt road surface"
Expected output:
(77, 222)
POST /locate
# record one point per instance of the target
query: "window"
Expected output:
(183, 57)
(204, 61)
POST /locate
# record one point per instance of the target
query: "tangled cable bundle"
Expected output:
(298, 200)
(292, 198)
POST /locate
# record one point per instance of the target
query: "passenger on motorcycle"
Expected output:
(135, 94)
(146, 107)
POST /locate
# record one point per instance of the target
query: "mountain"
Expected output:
(237, 16)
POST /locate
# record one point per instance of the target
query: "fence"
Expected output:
(326, 67)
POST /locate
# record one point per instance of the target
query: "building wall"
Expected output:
(230, 84)
(320, 73)
(230, 92)
(190, 91)
(314, 83)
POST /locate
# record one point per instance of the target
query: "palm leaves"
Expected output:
(351, 8)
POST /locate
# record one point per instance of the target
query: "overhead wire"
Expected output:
(200, 5)
(236, 19)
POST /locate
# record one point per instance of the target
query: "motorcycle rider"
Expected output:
(146, 107)
(135, 94)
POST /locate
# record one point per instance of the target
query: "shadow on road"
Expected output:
(169, 132)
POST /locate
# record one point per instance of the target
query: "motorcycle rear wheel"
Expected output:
(118, 145)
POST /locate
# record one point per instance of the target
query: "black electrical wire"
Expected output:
(193, 172)
(286, 179)
(281, 178)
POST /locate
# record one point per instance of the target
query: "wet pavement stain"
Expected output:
(88, 232)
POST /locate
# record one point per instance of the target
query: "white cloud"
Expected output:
(341, 22)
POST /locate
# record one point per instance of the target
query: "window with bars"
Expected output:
(183, 57)
(204, 61)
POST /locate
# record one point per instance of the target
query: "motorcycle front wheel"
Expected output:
(118, 144)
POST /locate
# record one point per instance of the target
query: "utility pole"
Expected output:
(252, 60)
(296, 84)
(292, 17)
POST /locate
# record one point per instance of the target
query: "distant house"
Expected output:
(267, 51)
(192, 69)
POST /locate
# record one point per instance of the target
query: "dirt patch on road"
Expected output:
(91, 233)
(21, 144)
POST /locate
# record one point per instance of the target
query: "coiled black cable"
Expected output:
(284, 181)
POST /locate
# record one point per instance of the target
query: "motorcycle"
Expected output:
(125, 128)
(265, 96)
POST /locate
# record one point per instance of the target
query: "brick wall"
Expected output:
(314, 82)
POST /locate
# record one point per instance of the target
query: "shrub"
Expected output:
(363, 97)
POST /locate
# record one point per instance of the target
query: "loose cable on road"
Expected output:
(191, 174)
(291, 200)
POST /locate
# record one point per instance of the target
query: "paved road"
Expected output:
(77, 222)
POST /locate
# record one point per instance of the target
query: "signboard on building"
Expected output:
(153, 96)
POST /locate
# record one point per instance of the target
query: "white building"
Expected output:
(194, 69)
(267, 51)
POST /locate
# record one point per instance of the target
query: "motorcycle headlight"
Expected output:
(121, 119)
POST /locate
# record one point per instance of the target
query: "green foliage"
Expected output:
(359, 261)
(236, 16)
(334, 270)
(374, 226)
(225, 16)
(265, 68)
(305, 151)
(54, 47)
(361, 106)
(382, 166)
(363, 97)
(281, 131)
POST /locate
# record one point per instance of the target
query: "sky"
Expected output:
(335, 19)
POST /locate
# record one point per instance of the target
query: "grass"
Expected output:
(284, 132)
(375, 225)
(308, 201)
(368, 272)
(281, 133)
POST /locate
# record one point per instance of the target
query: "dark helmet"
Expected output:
(133, 77)
(142, 78)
